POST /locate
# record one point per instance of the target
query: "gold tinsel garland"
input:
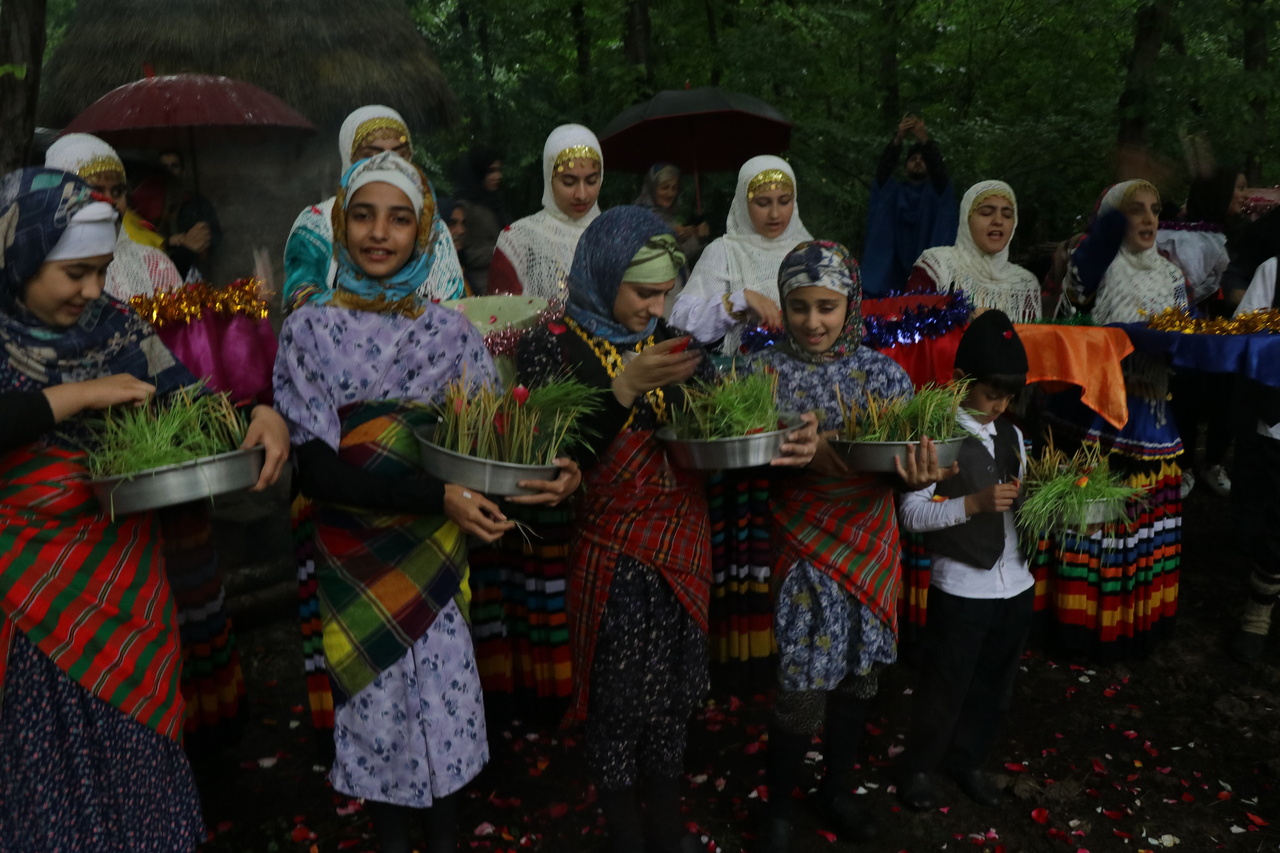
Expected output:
(189, 302)
(1179, 320)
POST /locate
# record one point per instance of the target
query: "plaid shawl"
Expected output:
(88, 592)
(383, 577)
(634, 505)
(847, 528)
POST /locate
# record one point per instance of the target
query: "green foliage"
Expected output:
(186, 425)
(519, 425)
(1065, 493)
(733, 407)
(1019, 90)
(19, 71)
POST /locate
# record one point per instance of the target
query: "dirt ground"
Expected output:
(1180, 751)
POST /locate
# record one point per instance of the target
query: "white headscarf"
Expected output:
(362, 122)
(1137, 285)
(563, 138)
(84, 155)
(990, 281)
(540, 247)
(754, 260)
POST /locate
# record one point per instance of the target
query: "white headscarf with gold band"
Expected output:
(139, 268)
(1137, 285)
(989, 280)
(540, 247)
(363, 123)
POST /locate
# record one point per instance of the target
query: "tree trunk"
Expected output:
(1134, 108)
(1256, 30)
(713, 41)
(637, 40)
(582, 39)
(891, 105)
(22, 31)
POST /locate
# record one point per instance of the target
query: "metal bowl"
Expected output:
(168, 485)
(1097, 512)
(484, 475)
(722, 454)
(876, 457)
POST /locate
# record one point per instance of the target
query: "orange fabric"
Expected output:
(1085, 356)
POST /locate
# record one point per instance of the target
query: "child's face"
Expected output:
(986, 401)
(382, 228)
(61, 290)
(814, 317)
(638, 303)
(991, 225)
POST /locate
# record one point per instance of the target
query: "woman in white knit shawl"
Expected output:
(978, 263)
(736, 279)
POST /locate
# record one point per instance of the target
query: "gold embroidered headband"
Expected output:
(571, 156)
(995, 192)
(100, 165)
(1137, 187)
(768, 181)
(369, 127)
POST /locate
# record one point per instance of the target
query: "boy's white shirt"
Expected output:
(920, 514)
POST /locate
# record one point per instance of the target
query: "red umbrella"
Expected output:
(700, 130)
(177, 109)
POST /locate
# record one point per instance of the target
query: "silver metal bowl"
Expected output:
(493, 479)
(876, 457)
(176, 484)
(722, 454)
(1097, 512)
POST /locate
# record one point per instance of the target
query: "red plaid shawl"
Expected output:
(87, 591)
(846, 527)
(383, 576)
(638, 507)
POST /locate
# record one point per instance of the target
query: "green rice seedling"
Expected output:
(735, 406)
(519, 425)
(1067, 492)
(934, 411)
(179, 427)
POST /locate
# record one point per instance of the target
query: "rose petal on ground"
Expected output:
(1257, 821)
(485, 828)
(830, 836)
(1040, 815)
(1015, 766)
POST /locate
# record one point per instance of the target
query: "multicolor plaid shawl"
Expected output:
(383, 576)
(88, 592)
(846, 527)
(635, 506)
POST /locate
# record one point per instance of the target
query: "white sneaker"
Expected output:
(1188, 482)
(1217, 480)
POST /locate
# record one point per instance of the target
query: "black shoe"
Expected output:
(850, 819)
(1246, 647)
(978, 787)
(918, 792)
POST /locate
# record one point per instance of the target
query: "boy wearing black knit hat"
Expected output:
(981, 589)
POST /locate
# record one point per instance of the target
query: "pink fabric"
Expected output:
(234, 354)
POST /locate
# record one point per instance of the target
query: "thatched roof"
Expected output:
(322, 57)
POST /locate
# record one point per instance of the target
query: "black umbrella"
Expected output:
(699, 130)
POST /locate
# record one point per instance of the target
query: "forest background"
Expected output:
(1057, 98)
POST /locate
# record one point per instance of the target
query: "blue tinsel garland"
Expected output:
(911, 326)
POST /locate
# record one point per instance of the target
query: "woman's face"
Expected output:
(576, 190)
(815, 317)
(991, 225)
(382, 227)
(636, 304)
(666, 193)
(771, 212)
(386, 139)
(1143, 210)
(111, 185)
(60, 291)
(1239, 196)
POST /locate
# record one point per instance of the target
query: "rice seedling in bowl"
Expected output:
(1074, 493)
(733, 423)
(872, 436)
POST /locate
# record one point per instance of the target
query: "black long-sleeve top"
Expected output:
(324, 476)
(24, 417)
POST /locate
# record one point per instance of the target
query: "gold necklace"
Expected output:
(613, 365)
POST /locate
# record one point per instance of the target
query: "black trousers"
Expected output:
(970, 655)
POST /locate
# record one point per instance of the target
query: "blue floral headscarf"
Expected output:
(827, 264)
(604, 252)
(387, 167)
(36, 206)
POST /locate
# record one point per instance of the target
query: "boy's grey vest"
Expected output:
(978, 542)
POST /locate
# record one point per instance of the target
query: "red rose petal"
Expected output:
(1040, 815)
